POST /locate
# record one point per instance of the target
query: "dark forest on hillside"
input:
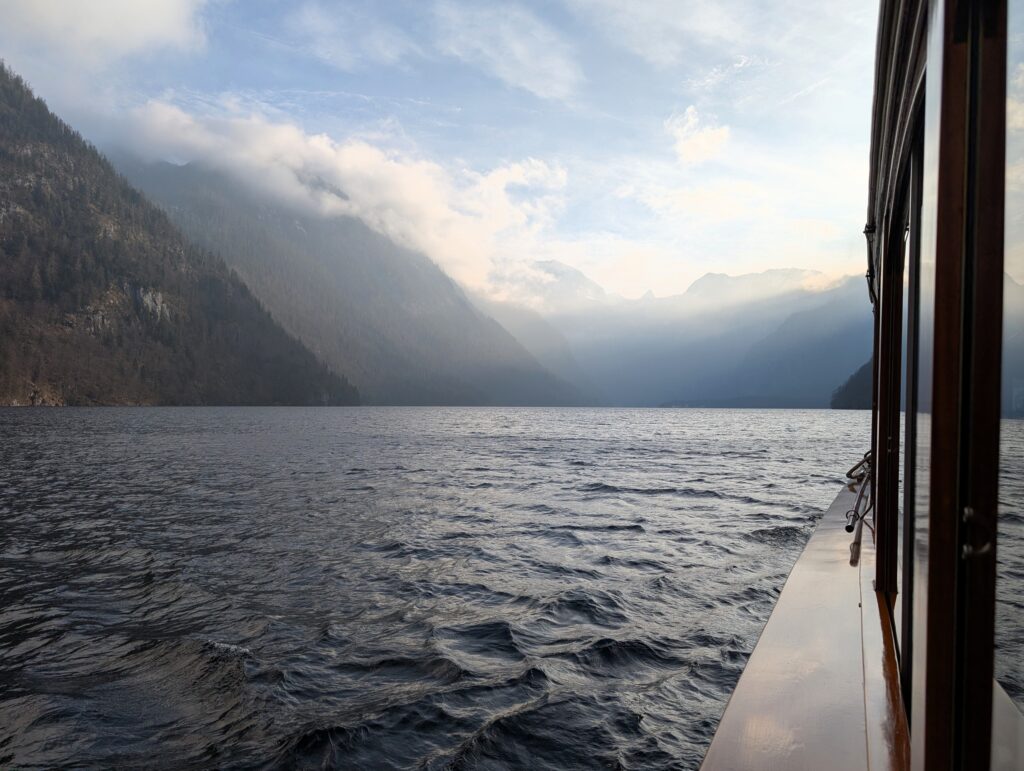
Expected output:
(855, 393)
(103, 301)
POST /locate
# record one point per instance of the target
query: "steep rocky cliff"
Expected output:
(103, 301)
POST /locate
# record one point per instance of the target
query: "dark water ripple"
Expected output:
(1009, 638)
(393, 588)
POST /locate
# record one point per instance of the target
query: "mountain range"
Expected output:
(781, 338)
(405, 333)
(178, 284)
(387, 316)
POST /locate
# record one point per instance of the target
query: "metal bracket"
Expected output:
(969, 551)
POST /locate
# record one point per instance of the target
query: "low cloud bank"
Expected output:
(466, 221)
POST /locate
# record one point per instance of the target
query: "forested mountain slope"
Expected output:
(855, 393)
(102, 301)
(387, 316)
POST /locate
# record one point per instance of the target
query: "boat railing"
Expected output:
(860, 468)
(860, 473)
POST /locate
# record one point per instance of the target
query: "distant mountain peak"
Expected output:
(572, 279)
(550, 286)
(722, 288)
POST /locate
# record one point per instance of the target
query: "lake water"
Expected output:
(407, 588)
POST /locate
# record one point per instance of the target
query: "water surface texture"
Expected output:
(393, 588)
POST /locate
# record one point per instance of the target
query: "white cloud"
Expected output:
(661, 203)
(758, 209)
(92, 34)
(1017, 81)
(349, 40)
(778, 178)
(714, 77)
(695, 143)
(711, 203)
(669, 33)
(467, 221)
(627, 266)
(665, 32)
(512, 44)
(747, 58)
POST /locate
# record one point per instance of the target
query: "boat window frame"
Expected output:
(912, 263)
(947, 653)
(887, 415)
(981, 373)
(952, 686)
(893, 417)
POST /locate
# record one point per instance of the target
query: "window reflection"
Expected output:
(904, 435)
(902, 508)
(1009, 654)
(915, 665)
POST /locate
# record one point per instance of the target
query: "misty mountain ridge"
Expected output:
(551, 286)
(783, 338)
(719, 290)
(543, 340)
(387, 316)
(856, 392)
(554, 289)
(406, 333)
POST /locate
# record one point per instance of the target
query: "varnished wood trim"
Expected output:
(800, 703)
(933, 723)
(887, 732)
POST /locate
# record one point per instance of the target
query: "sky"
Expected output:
(644, 143)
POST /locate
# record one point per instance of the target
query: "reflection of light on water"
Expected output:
(184, 582)
(1010, 562)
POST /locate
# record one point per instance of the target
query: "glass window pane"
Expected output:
(925, 286)
(897, 609)
(1009, 654)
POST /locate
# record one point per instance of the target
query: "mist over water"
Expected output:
(394, 588)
